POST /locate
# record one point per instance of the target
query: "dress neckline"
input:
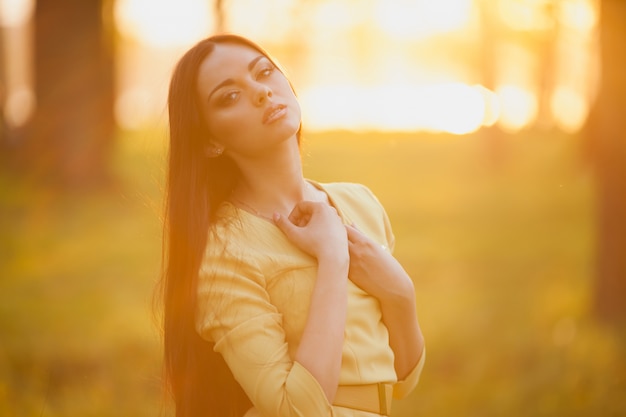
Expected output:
(318, 186)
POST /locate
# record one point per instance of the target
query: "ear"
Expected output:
(213, 150)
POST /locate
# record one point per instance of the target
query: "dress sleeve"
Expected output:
(380, 216)
(403, 388)
(235, 312)
(391, 239)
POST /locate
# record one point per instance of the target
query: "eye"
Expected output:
(265, 72)
(228, 98)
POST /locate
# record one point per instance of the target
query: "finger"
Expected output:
(295, 214)
(285, 225)
(301, 213)
(354, 234)
(299, 219)
(305, 206)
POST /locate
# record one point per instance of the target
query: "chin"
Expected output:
(292, 125)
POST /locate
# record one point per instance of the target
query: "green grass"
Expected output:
(497, 234)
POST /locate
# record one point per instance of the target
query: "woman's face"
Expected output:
(247, 103)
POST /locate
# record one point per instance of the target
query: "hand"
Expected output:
(315, 228)
(379, 274)
(375, 270)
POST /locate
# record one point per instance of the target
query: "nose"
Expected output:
(262, 94)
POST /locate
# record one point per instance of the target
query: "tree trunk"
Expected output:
(220, 17)
(608, 141)
(495, 147)
(68, 141)
(3, 96)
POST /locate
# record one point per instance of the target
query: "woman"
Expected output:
(281, 297)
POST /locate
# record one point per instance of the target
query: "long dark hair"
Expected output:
(198, 379)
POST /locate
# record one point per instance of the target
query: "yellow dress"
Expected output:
(253, 297)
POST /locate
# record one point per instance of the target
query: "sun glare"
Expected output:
(164, 23)
(253, 18)
(524, 15)
(452, 107)
(15, 12)
(17, 98)
(578, 14)
(415, 19)
(345, 85)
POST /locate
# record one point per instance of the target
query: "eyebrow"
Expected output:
(229, 81)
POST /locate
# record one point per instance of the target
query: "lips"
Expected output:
(274, 113)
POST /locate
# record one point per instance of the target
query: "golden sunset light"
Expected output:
(16, 85)
(191, 189)
(15, 12)
(569, 108)
(335, 87)
(453, 108)
(518, 107)
(358, 65)
(416, 19)
(164, 23)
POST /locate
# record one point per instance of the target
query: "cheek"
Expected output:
(226, 127)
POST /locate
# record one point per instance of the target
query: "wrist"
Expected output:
(334, 263)
(333, 256)
(398, 296)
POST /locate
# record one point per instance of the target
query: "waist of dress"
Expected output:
(373, 398)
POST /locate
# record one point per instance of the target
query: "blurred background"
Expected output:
(493, 131)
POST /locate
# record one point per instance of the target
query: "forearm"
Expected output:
(399, 313)
(322, 339)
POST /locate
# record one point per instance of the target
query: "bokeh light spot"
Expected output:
(569, 108)
(518, 107)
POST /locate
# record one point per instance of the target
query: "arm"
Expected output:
(237, 313)
(316, 229)
(378, 273)
(322, 340)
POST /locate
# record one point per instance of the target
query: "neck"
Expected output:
(271, 184)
